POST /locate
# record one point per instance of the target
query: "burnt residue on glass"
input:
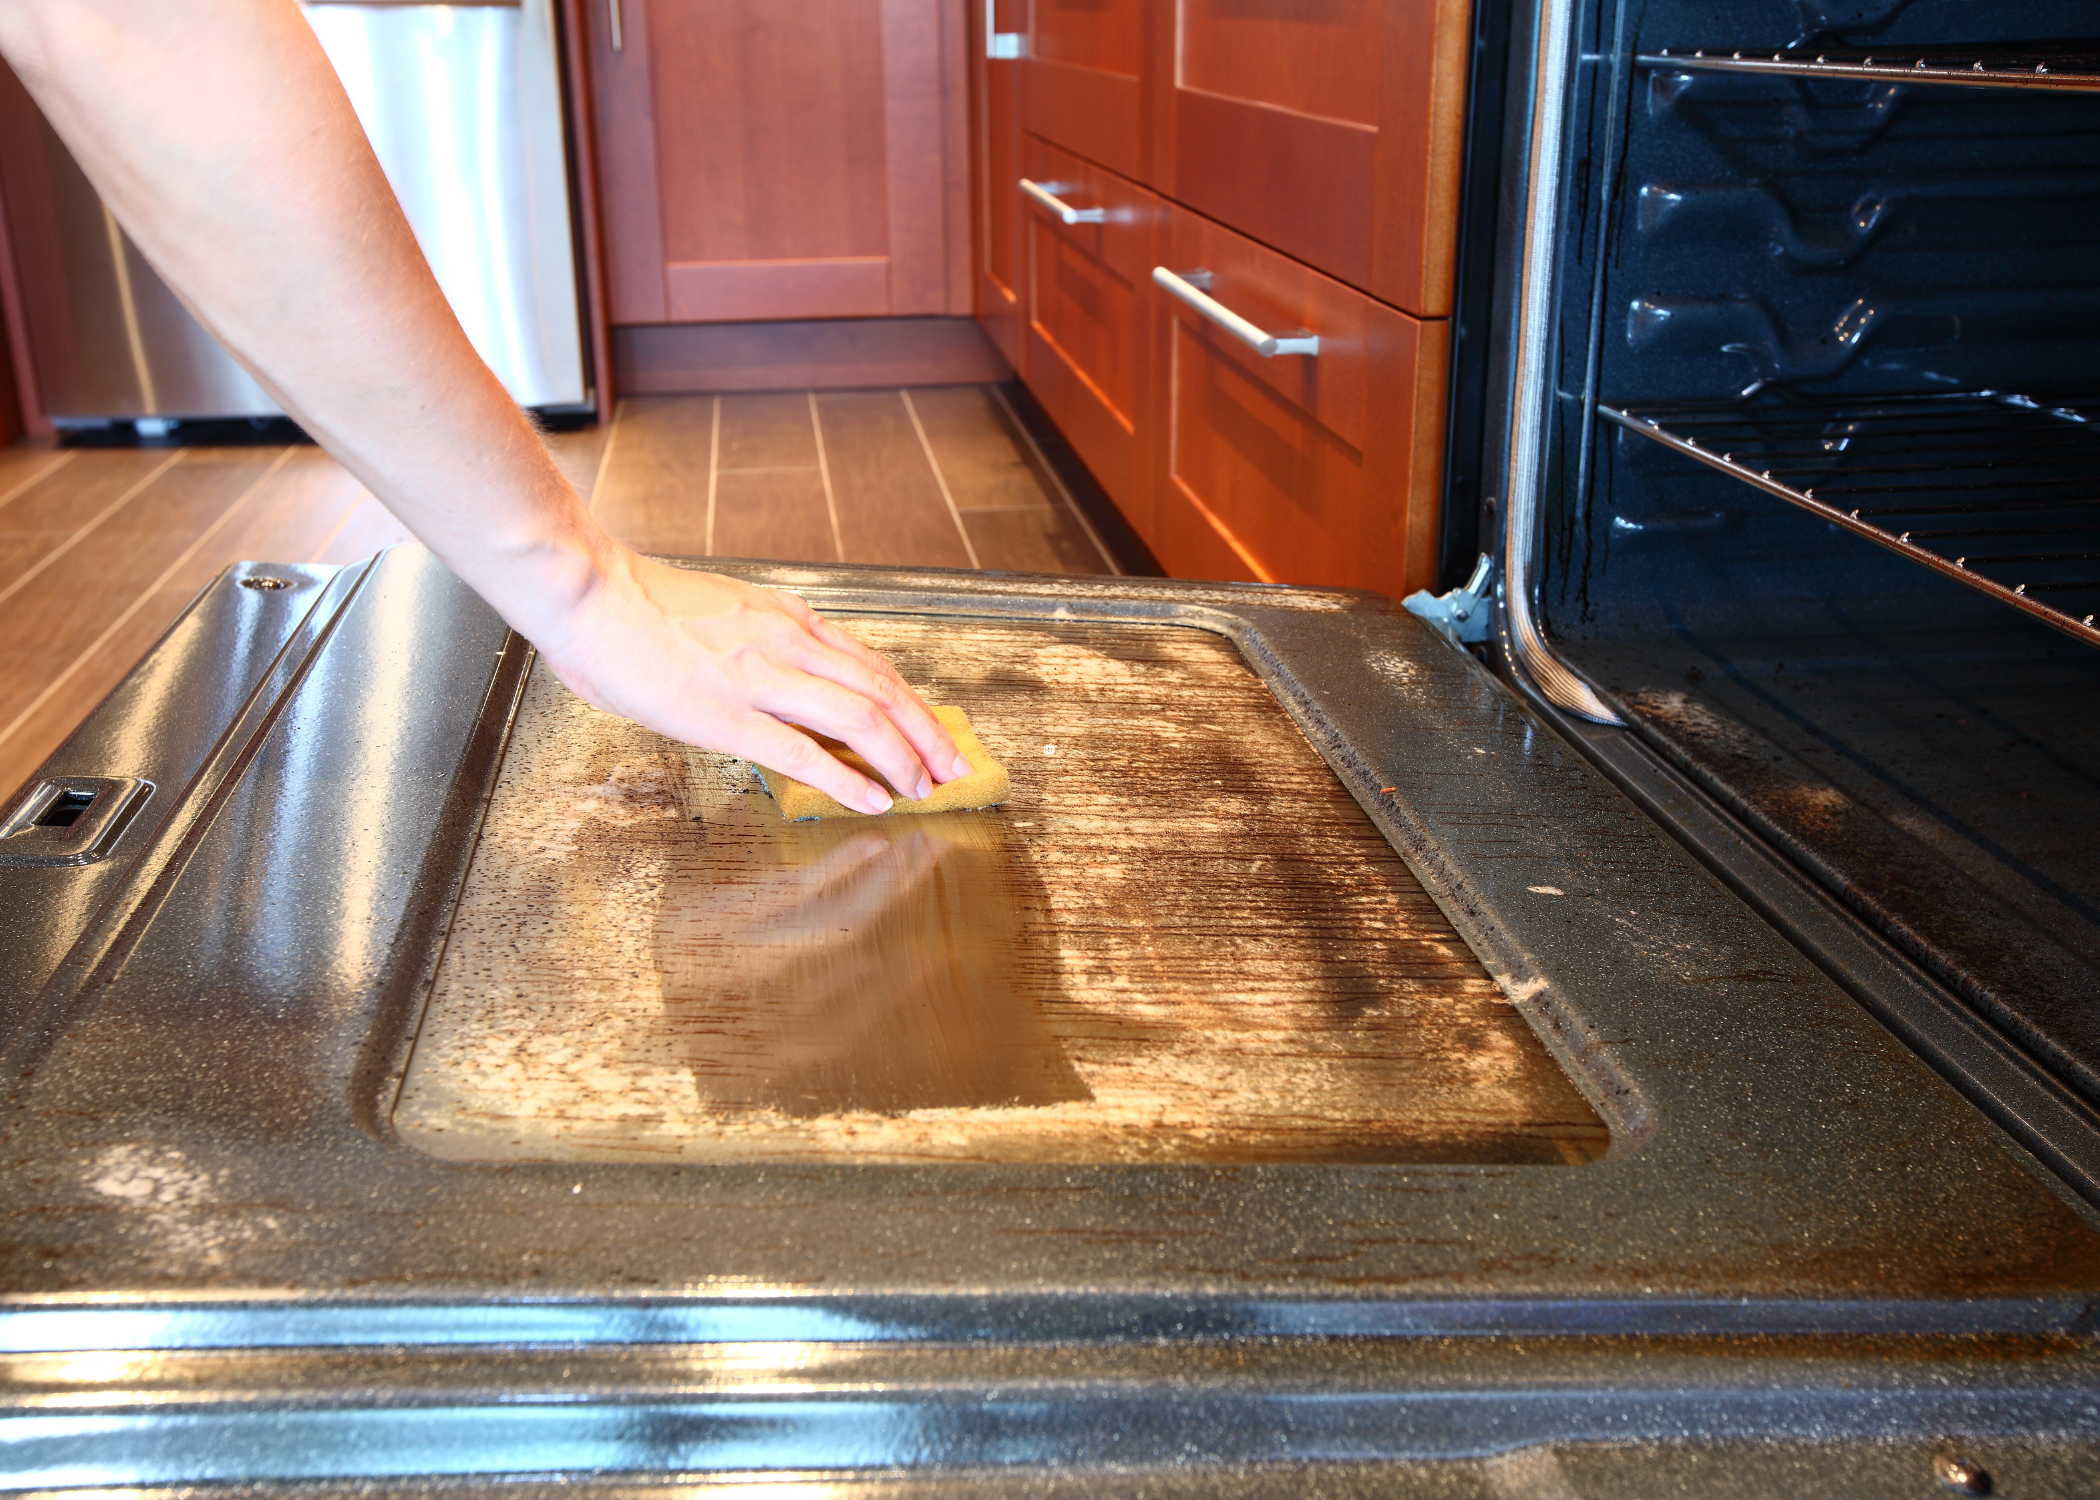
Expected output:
(1180, 941)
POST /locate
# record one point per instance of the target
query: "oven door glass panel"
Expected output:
(1180, 942)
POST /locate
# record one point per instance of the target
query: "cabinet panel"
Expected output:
(1085, 62)
(767, 161)
(1329, 129)
(1088, 300)
(1314, 469)
(1001, 225)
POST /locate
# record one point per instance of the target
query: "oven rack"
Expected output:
(1999, 492)
(2038, 68)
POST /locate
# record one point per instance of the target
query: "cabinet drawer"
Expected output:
(1084, 69)
(1332, 132)
(1089, 292)
(1317, 469)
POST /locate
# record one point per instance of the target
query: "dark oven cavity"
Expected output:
(1823, 489)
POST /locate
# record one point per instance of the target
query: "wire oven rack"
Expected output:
(2000, 492)
(2059, 69)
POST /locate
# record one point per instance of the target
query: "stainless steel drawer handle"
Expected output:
(1047, 197)
(1188, 287)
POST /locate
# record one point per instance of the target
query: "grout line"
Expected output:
(775, 469)
(969, 547)
(1011, 510)
(139, 603)
(42, 474)
(612, 436)
(68, 544)
(831, 500)
(714, 474)
(1114, 567)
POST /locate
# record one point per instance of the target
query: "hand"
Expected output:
(721, 664)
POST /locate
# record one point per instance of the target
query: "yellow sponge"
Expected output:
(987, 785)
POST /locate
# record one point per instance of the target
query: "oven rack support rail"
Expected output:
(1889, 471)
(2075, 73)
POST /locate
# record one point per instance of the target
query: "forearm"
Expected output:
(217, 133)
(220, 138)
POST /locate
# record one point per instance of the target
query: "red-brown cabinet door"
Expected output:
(1317, 468)
(997, 34)
(762, 160)
(1085, 62)
(1089, 296)
(1329, 129)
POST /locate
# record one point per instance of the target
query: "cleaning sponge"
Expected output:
(987, 785)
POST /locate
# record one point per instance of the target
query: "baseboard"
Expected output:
(834, 354)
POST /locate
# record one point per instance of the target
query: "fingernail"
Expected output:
(960, 767)
(878, 801)
(925, 787)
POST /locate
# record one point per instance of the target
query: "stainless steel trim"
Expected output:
(1047, 198)
(1838, 516)
(1979, 74)
(101, 808)
(1533, 385)
(1187, 289)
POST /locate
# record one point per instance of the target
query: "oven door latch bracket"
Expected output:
(1461, 615)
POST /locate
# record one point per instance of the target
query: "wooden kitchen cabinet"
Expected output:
(1089, 63)
(999, 219)
(1331, 130)
(1316, 468)
(762, 161)
(1089, 295)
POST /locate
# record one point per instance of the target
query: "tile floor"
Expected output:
(100, 549)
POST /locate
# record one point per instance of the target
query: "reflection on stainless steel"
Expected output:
(854, 965)
(1180, 941)
(463, 107)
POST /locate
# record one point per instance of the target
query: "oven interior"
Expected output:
(1821, 513)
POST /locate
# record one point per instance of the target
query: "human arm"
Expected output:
(218, 135)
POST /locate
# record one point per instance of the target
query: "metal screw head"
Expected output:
(264, 583)
(1962, 1474)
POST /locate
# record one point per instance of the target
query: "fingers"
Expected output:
(853, 666)
(862, 723)
(774, 745)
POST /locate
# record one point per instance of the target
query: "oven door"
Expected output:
(1316, 1069)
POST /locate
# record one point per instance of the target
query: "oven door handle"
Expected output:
(1188, 287)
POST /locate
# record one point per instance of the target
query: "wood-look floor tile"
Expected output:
(58, 507)
(768, 430)
(777, 514)
(578, 455)
(20, 463)
(890, 505)
(297, 509)
(366, 530)
(653, 493)
(28, 738)
(983, 460)
(1032, 539)
(61, 611)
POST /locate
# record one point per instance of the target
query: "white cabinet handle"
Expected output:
(1188, 288)
(1065, 211)
(1001, 46)
(619, 42)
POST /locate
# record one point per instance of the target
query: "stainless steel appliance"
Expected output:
(462, 103)
(417, 1079)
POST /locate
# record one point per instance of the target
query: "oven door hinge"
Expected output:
(1462, 614)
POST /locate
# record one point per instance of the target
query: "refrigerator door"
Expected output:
(462, 103)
